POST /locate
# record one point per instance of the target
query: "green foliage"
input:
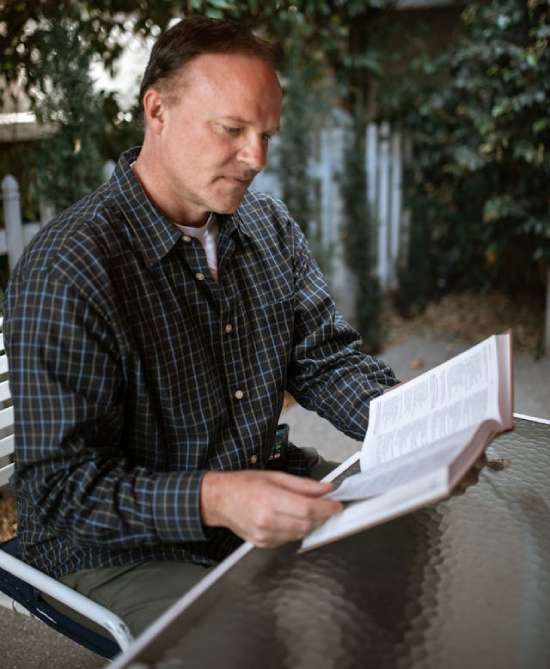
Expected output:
(25, 28)
(120, 130)
(478, 187)
(300, 120)
(69, 164)
(314, 35)
(359, 239)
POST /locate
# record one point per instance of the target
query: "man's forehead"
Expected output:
(217, 66)
(234, 86)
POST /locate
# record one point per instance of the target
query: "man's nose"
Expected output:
(254, 153)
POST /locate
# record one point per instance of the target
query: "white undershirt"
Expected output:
(207, 235)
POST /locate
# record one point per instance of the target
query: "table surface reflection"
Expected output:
(465, 583)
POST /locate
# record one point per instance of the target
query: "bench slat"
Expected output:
(4, 391)
(7, 445)
(6, 417)
(5, 474)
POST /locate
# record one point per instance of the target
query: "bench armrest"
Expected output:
(62, 593)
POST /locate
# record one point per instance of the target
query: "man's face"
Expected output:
(214, 132)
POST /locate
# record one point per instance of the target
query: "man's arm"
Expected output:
(67, 383)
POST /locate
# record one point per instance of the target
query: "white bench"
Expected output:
(16, 567)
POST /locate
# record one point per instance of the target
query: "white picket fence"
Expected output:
(15, 235)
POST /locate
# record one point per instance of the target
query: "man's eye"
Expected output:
(232, 131)
(266, 138)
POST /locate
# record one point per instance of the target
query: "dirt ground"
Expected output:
(7, 518)
(471, 317)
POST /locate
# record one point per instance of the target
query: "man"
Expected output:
(152, 329)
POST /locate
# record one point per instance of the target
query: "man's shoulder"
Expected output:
(267, 219)
(266, 208)
(79, 239)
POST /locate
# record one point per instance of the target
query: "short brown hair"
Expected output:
(198, 35)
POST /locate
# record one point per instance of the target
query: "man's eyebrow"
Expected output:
(243, 121)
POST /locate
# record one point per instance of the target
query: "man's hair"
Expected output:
(196, 36)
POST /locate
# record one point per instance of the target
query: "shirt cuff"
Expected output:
(176, 507)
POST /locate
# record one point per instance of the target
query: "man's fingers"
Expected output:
(311, 509)
(300, 484)
(276, 537)
(288, 516)
(471, 477)
(265, 508)
(287, 528)
(480, 462)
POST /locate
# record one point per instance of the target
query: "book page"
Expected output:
(403, 470)
(360, 515)
(446, 400)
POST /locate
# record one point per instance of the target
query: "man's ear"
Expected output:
(154, 109)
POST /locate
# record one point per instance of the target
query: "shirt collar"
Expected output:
(245, 219)
(154, 233)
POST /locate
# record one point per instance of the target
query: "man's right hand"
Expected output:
(265, 508)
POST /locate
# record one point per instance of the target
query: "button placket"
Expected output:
(230, 347)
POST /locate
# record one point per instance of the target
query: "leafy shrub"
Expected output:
(478, 182)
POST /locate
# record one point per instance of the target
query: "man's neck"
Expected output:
(150, 181)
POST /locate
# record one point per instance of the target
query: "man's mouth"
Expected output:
(240, 180)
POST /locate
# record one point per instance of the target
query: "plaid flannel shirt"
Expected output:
(133, 372)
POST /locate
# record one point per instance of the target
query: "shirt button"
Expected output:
(186, 238)
(253, 459)
(199, 276)
(239, 394)
(228, 328)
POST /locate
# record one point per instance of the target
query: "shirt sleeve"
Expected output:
(67, 384)
(329, 373)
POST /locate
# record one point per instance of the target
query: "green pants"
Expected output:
(140, 593)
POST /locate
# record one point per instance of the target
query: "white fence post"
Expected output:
(384, 161)
(328, 227)
(372, 165)
(383, 206)
(46, 212)
(108, 168)
(396, 204)
(12, 219)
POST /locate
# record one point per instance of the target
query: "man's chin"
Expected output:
(228, 205)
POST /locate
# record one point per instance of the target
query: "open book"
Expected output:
(423, 437)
